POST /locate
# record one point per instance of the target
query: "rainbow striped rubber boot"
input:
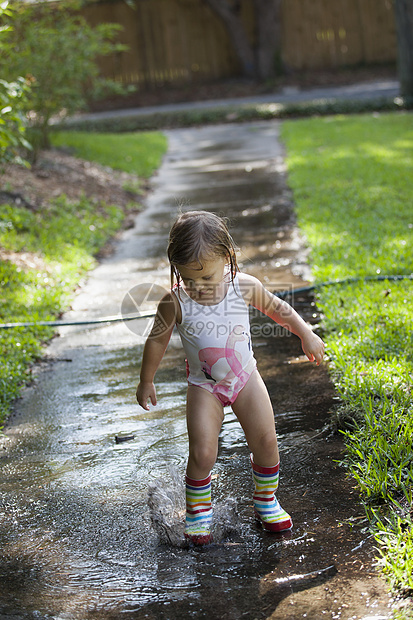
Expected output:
(198, 511)
(266, 507)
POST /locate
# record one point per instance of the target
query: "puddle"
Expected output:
(91, 526)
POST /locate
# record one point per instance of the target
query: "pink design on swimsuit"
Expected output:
(230, 385)
(221, 369)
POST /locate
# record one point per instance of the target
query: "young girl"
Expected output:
(209, 304)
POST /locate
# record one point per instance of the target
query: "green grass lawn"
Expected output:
(353, 185)
(59, 242)
(136, 153)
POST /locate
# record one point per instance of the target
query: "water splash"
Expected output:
(166, 502)
(225, 520)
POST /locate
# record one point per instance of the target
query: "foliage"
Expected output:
(12, 99)
(57, 51)
(352, 187)
(12, 122)
(140, 153)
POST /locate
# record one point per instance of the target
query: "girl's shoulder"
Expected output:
(248, 286)
(247, 278)
(169, 308)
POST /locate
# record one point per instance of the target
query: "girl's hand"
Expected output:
(146, 391)
(313, 347)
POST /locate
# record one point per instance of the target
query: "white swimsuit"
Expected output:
(217, 343)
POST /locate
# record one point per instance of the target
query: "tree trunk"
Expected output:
(243, 48)
(404, 26)
(261, 59)
(268, 49)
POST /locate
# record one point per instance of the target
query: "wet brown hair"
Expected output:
(196, 236)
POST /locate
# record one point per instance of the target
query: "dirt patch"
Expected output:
(59, 173)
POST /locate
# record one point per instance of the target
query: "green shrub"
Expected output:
(54, 47)
(13, 101)
(13, 122)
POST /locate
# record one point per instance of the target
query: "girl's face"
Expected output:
(206, 285)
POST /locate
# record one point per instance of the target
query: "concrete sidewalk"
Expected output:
(379, 89)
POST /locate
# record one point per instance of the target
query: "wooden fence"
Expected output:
(181, 41)
(320, 34)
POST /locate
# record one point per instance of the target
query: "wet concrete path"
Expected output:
(76, 529)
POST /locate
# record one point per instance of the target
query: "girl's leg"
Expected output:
(254, 411)
(204, 417)
(204, 421)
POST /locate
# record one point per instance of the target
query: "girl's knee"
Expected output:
(202, 457)
(267, 446)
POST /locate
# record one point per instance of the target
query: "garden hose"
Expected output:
(146, 315)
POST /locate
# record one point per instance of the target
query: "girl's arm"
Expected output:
(155, 347)
(282, 313)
